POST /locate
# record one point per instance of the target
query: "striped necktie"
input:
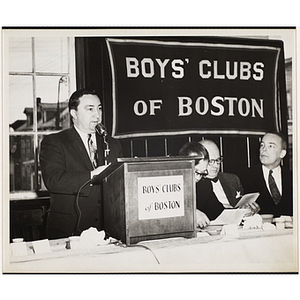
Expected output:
(273, 188)
(92, 150)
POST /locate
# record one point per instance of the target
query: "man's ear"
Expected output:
(73, 113)
(282, 154)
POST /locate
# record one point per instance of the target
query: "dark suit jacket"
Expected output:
(255, 182)
(231, 185)
(66, 166)
(206, 200)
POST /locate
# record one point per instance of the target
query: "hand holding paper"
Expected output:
(248, 201)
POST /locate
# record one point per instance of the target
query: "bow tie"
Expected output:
(213, 179)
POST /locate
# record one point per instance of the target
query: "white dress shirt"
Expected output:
(277, 177)
(84, 137)
(220, 194)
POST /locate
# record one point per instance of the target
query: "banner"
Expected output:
(174, 87)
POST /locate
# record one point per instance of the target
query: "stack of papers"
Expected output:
(235, 215)
(230, 216)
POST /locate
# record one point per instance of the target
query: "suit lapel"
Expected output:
(261, 180)
(79, 147)
(100, 150)
(287, 182)
(226, 188)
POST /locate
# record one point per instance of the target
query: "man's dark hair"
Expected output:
(74, 100)
(194, 149)
(281, 136)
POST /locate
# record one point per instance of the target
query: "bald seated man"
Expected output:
(227, 187)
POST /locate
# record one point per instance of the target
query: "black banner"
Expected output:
(172, 87)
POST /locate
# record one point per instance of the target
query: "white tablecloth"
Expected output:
(252, 251)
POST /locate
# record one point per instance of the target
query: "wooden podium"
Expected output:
(149, 198)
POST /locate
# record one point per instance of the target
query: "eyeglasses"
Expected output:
(203, 173)
(217, 161)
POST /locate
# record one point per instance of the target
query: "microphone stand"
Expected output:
(101, 130)
(106, 150)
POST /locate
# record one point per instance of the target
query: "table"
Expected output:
(254, 250)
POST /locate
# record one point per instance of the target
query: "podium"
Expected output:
(149, 198)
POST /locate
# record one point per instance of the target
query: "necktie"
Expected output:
(92, 150)
(273, 188)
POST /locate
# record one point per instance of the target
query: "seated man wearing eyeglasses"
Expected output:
(227, 187)
(208, 207)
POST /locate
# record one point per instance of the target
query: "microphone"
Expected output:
(101, 129)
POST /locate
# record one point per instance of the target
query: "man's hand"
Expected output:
(98, 170)
(202, 219)
(253, 207)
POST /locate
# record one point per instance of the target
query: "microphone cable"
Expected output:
(77, 208)
(119, 243)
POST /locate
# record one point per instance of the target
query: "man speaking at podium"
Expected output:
(72, 157)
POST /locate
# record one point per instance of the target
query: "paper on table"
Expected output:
(18, 249)
(247, 198)
(41, 246)
(230, 216)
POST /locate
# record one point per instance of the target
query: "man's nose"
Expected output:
(98, 114)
